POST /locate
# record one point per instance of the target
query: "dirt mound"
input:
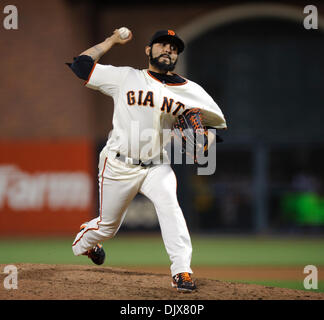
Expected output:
(71, 282)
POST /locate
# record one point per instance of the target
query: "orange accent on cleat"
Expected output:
(96, 254)
(183, 282)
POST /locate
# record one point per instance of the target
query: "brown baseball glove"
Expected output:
(194, 135)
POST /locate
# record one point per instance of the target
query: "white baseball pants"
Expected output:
(118, 185)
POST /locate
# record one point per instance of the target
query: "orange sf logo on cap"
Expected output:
(171, 33)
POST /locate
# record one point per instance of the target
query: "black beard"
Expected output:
(162, 66)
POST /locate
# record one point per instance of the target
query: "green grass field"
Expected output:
(125, 250)
(297, 285)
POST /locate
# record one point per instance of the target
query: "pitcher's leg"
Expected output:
(115, 196)
(160, 187)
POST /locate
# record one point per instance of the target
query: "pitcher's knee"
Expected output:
(107, 231)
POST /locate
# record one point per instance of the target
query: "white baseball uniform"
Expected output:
(143, 107)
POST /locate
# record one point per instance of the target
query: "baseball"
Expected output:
(123, 33)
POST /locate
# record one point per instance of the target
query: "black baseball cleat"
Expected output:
(183, 282)
(96, 254)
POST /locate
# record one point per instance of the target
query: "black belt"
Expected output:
(134, 161)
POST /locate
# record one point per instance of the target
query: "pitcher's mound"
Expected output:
(71, 282)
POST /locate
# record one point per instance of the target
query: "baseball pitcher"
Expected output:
(145, 103)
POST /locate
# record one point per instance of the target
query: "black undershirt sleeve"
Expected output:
(82, 66)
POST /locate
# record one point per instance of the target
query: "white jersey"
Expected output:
(144, 106)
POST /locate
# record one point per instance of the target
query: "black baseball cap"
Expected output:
(167, 35)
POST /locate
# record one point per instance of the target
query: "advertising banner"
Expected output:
(46, 187)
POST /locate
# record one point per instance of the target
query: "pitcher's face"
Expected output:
(163, 56)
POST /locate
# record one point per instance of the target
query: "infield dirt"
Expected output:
(79, 282)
